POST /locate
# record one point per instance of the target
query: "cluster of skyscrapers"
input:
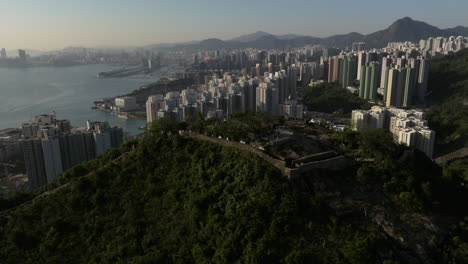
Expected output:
(51, 146)
(233, 81)
(270, 85)
(229, 93)
(396, 74)
(444, 45)
(400, 76)
(408, 127)
(434, 46)
(255, 62)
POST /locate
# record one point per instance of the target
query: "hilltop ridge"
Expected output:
(172, 198)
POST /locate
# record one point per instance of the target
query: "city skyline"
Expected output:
(53, 24)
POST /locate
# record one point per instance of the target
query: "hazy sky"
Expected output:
(54, 24)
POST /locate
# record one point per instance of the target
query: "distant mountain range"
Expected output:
(405, 29)
(260, 34)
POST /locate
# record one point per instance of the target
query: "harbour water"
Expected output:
(69, 91)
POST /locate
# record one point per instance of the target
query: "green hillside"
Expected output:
(330, 97)
(173, 199)
(448, 86)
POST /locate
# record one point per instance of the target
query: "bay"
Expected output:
(69, 91)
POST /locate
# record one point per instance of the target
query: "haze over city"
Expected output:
(242, 131)
(55, 24)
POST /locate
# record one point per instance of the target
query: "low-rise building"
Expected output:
(408, 127)
(125, 104)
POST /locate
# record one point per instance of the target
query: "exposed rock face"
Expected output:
(414, 232)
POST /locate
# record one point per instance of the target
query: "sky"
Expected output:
(54, 24)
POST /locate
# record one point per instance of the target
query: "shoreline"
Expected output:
(141, 94)
(60, 83)
(127, 115)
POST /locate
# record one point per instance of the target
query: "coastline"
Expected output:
(128, 115)
(69, 91)
(141, 95)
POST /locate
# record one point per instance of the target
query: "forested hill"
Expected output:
(448, 87)
(172, 199)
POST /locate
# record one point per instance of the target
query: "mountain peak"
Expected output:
(407, 24)
(404, 29)
(406, 21)
(409, 19)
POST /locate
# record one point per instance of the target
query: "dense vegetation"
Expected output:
(448, 87)
(457, 169)
(173, 199)
(409, 179)
(177, 200)
(240, 126)
(330, 98)
(405, 175)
